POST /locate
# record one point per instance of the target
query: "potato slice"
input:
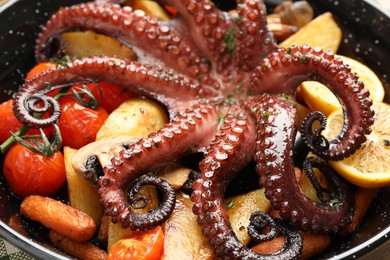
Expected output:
(82, 194)
(151, 8)
(135, 117)
(183, 236)
(173, 173)
(89, 43)
(323, 31)
(240, 208)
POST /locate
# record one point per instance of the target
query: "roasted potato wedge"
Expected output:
(173, 173)
(89, 43)
(240, 208)
(183, 236)
(323, 32)
(82, 194)
(136, 117)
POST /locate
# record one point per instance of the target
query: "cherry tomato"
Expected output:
(9, 123)
(108, 95)
(29, 173)
(78, 124)
(139, 245)
(39, 68)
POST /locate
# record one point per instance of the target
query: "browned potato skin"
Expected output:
(54, 214)
(79, 250)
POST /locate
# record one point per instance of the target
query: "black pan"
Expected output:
(366, 37)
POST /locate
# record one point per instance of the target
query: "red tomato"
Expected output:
(9, 123)
(78, 124)
(39, 68)
(139, 245)
(108, 95)
(30, 173)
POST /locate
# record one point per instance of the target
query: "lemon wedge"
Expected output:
(368, 167)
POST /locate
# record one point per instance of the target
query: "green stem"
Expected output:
(4, 147)
(11, 140)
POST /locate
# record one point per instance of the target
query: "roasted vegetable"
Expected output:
(136, 117)
(183, 236)
(82, 194)
(88, 43)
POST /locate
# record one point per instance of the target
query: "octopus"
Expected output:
(229, 91)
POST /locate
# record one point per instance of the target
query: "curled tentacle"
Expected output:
(187, 133)
(274, 163)
(228, 153)
(38, 104)
(261, 220)
(339, 195)
(32, 106)
(152, 41)
(284, 70)
(315, 140)
(178, 92)
(139, 221)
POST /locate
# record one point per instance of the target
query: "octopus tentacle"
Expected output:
(252, 26)
(208, 28)
(317, 162)
(226, 156)
(154, 217)
(153, 42)
(315, 140)
(274, 164)
(284, 70)
(259, 221)
(188, 132)
(178, 92)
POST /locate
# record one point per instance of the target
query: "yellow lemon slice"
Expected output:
(320, 98)
(368, 167)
